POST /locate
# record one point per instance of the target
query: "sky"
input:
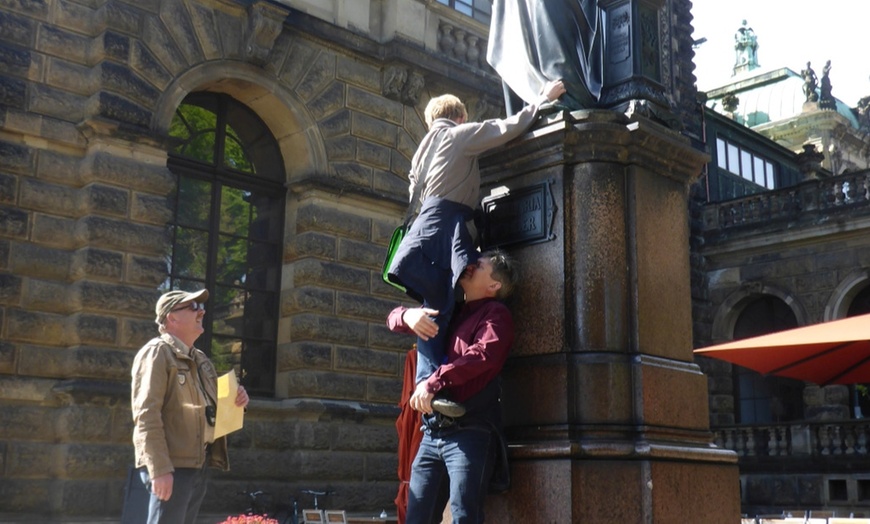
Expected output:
(790, 33)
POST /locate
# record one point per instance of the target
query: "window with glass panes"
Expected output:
(227, 231)
(480, 10)
(765, 399)
(743, 163)
(860, 392)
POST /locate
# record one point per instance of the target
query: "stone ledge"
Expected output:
(314, 408)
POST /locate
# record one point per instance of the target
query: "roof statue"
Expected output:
(811, 82)
(863, 110)
(746, 50)
(826, 99)
(730, 102)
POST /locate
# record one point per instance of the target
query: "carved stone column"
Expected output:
(606, 411)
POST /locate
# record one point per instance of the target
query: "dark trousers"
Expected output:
(188, 490)
(429, 262)
(432, 353)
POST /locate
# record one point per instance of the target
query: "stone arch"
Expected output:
(846, 291)
(284, 114)
(729, 311)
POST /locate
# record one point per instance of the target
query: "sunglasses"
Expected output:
(195, 306)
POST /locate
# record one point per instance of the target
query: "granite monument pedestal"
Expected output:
(606, 412)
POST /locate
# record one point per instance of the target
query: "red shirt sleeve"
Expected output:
(474, 364)
(396, 323)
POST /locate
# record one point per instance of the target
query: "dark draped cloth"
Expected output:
(534, 41)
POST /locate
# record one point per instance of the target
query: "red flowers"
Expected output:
(249, 519)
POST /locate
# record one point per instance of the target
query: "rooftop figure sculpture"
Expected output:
(532, 42)
(863, 109)
(826, 99)
(810, 84)
(746, 49)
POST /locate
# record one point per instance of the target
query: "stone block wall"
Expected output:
(87, 91)
(83, 242)
(345, 449)
(815, 270)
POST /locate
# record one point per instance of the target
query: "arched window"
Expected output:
(227, 231)
(762, 399)
(860, 304)
(860, 392)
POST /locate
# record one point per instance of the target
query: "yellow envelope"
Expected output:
(229, 417)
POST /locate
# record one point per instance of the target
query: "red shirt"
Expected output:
(480, 336)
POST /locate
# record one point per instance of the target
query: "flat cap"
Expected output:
(170, 299)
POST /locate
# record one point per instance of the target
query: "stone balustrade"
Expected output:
(816, 440)
(827, 195)
(462, 43)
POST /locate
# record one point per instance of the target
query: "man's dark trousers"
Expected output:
(188, 491)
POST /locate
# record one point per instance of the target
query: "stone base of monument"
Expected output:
(617, 491)
(605, 410)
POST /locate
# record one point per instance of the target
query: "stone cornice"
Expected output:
(780, 237)
(804, 124)
(598, 136)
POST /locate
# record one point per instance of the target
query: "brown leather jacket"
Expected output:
(168, 402)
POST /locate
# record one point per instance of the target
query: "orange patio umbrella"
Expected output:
(836, 352)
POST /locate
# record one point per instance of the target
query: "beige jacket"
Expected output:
(168, 403)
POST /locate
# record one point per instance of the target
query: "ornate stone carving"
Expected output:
(810, 161)
(633, 53)
(413, 88)
(264, 26)
(394, 80)
(666, 60)
(650, 52)
(730, 102)
(402, 84)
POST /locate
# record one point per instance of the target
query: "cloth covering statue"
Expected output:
(532, 42)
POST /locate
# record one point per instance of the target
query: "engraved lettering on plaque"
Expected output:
(620, 30)
(521, 216)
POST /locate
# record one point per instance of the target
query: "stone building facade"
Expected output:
(98, 193)
(90, 90)
(792, 257)
(780, 241)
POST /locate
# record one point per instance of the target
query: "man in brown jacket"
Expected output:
(174, 397)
